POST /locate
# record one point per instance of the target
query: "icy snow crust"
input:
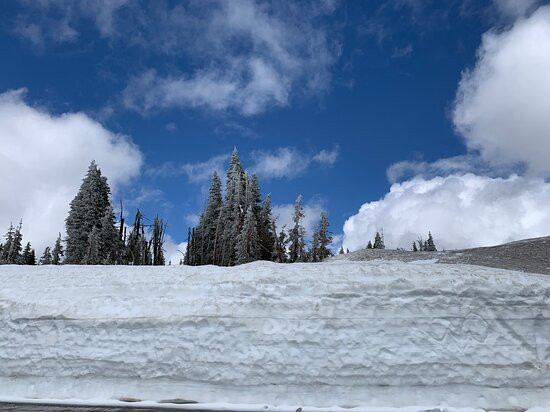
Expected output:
(331, 334)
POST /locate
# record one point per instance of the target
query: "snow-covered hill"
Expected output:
(331, 334)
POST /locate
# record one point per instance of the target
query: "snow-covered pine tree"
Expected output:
(248, 244)
(109, 239)
(281, 244)
(209, 224)
(324, 239)
(414, 248)
(266, 231)
(86, 211)
(32, 258)
(57, 252)
(314, 249)
(7, 244)
(378, 242)
(297, 250)
(46, 258)
(430, 244)
(13, 251)
(187, 256)
(234, 209)
(369, 245)
(341, 251)
(92, 255)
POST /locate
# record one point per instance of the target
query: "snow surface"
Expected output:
(343, 334)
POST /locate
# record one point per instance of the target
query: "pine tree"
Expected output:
(414, 248)
(110, 248)
(15, 247)
(430, 244)
(28, 257)
(209, 227)
(92, 256)
(4, 257)
(378, 242)
(235, 208)
(57, 252)
(248, 244)
(341, 251)
(46, 258)
(322, 238)
(281, 244)
(297, 234)
(86, 212)
(369, 245)
(266, 231)
(187, 256)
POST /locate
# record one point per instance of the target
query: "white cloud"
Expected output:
(284, 213)
(43, 158)
(515, 8)
(288, 162)
(199, 172)
(250, 56)
(502, 105)
(173, 252)
(460, 210)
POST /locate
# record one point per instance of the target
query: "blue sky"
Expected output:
(320, 98)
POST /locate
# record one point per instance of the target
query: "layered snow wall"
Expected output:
(341, 333)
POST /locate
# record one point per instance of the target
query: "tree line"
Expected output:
(240, 228)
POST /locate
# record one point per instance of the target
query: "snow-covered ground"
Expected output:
(341, 334)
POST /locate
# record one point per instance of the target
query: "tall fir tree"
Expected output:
(6, 247)
(28, 257)
(235, 208)
(378, 241)
(266, 231)
(297, 250)
(321, 239)
(209, 223)
(13, 255)
(248, 244)
(86, 212)
(46, 258)
(57, 252)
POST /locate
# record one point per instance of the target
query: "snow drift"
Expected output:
(329, 334)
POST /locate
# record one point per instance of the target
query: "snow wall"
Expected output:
(330, 334)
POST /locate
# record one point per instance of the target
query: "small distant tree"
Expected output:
(430, 244)
(297, 250)
(414, 248)
(281, 245)
(378, 241)
(46, 258)
(369, 245)
(341, 251)
(321, 240)
(57, 252)
(347, 250)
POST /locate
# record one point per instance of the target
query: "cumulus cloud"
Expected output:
(460, 210)
(289, 162)
(173, 252)
(43, 158)
(515, 8)
(502, 104)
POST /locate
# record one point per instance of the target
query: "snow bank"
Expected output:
(331, 334)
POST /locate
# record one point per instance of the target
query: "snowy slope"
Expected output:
(331, 334)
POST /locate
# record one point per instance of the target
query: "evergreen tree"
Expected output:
(187, 256)
(28, 257)
(347, 250)
(46, 258)
(266, 231)
(414, 248)
(281, 244)
(110, 246)
(430, 244)
(321, 240)
(297, 234)
(15, 247)
(341, 251)
(92, 256)
(378, 242)
(57, 252)
(248, 244)
(209, 224)
(4, 257)
(235, 208)
(86, 212)
(369, 245)
(137, 249)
